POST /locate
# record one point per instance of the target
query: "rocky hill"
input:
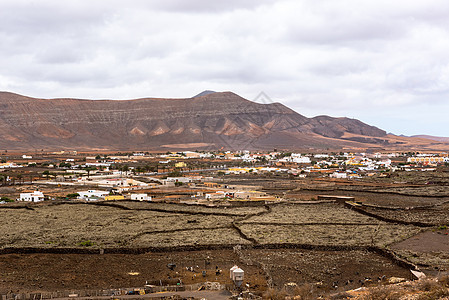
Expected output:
(207, 121)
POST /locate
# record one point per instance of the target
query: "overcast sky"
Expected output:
(383, 62)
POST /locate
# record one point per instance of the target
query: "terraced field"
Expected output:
(321, 234)
(148, 225)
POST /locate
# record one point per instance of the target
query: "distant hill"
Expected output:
(434, 138)
(211, 120)
(204, 93)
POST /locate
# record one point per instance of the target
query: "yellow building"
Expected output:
(180, 164)
(114, 197)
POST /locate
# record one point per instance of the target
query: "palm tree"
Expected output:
(88, 169)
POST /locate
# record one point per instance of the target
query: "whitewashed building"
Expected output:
(35, 196)
(179, 179)
(140, 197)
(92, 194)
(296, 158)
(338, 175)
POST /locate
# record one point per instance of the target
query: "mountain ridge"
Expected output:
(214, 120)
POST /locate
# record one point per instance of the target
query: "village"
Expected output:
(134, 176)
(178, 222)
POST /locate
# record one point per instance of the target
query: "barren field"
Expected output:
(58, 272)
(429, 250)
(343, 242)
(435, 216)
(156, 225)
(423, 191)
(345, 269)
(333, 235)
(67, 225)
(193, 209)
(326, 213)
(387, 198)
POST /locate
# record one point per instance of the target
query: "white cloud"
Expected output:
(364, 59)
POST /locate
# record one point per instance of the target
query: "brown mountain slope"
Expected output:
(212, 120)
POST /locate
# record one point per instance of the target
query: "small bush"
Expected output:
(272, 294)
(72, 196)
(305, 291)
(340, 296)
(444, 281)
(382, 293)
(87, 243)
(434, 289)
(428, 285)
(6, 199)
(436, 293)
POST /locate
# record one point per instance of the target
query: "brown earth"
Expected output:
(60, 272)
(429, 250)
(428, 241)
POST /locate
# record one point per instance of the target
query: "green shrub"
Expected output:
(72, 196)
(87, 243)
(6, 199)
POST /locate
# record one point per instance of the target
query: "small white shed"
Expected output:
(237, 275)
(231, 271)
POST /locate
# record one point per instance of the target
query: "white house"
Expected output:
(86, 195)
(385, 162)
(35, 196)
(180, 179)
(296, 158)
(338, 175)
(140, 197)
(216, 195)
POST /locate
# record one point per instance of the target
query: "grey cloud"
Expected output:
(201, 6)
(343, 58)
